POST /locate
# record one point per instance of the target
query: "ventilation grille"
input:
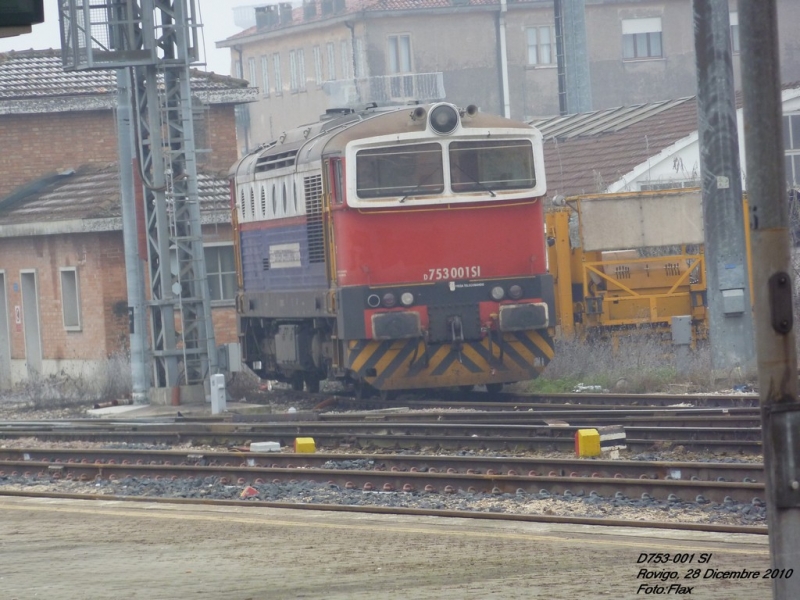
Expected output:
(276, 161)
(265, 263)
(316, 239)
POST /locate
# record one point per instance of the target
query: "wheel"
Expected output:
(494, 388)
(362, 390)
(312, 384)
(387, 395)
(465, 388)
(297, 383)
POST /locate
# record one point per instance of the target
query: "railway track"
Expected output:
(488, 465)
(678, 482)
(396, 435)
(583, 399)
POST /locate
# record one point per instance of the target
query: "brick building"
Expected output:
(63, 296)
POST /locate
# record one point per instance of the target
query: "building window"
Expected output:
(541, 45)
(345, 61)
(265, 75)
(221, 272)
(251, 66)
(301, 68)
(70, 299)
(292, 71)
(641, 38)
(399, 54)
(318, 65)
(331, 62)
(237, 66)
(735, 32)
(276, 67)
(791, 145)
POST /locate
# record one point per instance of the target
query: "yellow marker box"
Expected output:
(587, 442)
(308, 446)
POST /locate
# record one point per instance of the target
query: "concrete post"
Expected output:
(774, 324)
(730, 311)
(133, 264)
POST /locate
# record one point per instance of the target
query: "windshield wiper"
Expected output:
(416, 188)
(476, 182)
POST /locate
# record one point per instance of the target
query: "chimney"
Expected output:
(286, 13)
(266, 16)
(309, 9)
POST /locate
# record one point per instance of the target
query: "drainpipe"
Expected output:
(354, 62)
(504, 59)
(245, 122)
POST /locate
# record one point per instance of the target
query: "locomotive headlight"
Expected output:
(444, 119)
(498, 293)
(407, 299)
(515, 291)
(373, 300)
(389, 300)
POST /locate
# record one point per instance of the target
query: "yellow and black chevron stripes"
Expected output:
(411, 364)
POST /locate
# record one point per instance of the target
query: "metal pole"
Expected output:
(576, 57)
(777, 358)
(501, 24)
(133, 265)
(730, 310)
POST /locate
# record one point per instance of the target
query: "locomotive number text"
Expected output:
(451, 273)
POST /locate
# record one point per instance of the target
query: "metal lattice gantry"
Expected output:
(157, 39)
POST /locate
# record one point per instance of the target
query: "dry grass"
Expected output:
(642, 364)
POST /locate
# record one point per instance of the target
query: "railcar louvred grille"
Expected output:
(316, 242)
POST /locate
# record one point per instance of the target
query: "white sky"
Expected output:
(216, 15)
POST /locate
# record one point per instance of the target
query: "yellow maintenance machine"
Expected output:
(628, 262)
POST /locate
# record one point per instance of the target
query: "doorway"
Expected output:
(5, 337)
(30, 323)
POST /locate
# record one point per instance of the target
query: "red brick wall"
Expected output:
(100, 263)
(221, 138)
(98, 260)
(34, 145)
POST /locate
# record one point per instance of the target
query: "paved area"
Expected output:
(54, 549)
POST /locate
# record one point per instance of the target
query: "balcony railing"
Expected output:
(425, 87)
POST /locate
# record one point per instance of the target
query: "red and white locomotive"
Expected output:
(395, 248)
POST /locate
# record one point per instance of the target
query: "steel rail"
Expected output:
(433, 430)
(492, 465)
(418, 512)
(663, 489)
(394, 439)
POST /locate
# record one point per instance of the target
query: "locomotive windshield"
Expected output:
(408, 170)
(491, 165)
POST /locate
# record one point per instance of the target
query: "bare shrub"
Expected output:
(112, 381)
(244, 384)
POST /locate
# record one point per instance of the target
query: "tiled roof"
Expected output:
(92, 192)
(38, 75)
(585, 153)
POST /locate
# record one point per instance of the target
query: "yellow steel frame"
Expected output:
(658, 298)
(681, 289)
